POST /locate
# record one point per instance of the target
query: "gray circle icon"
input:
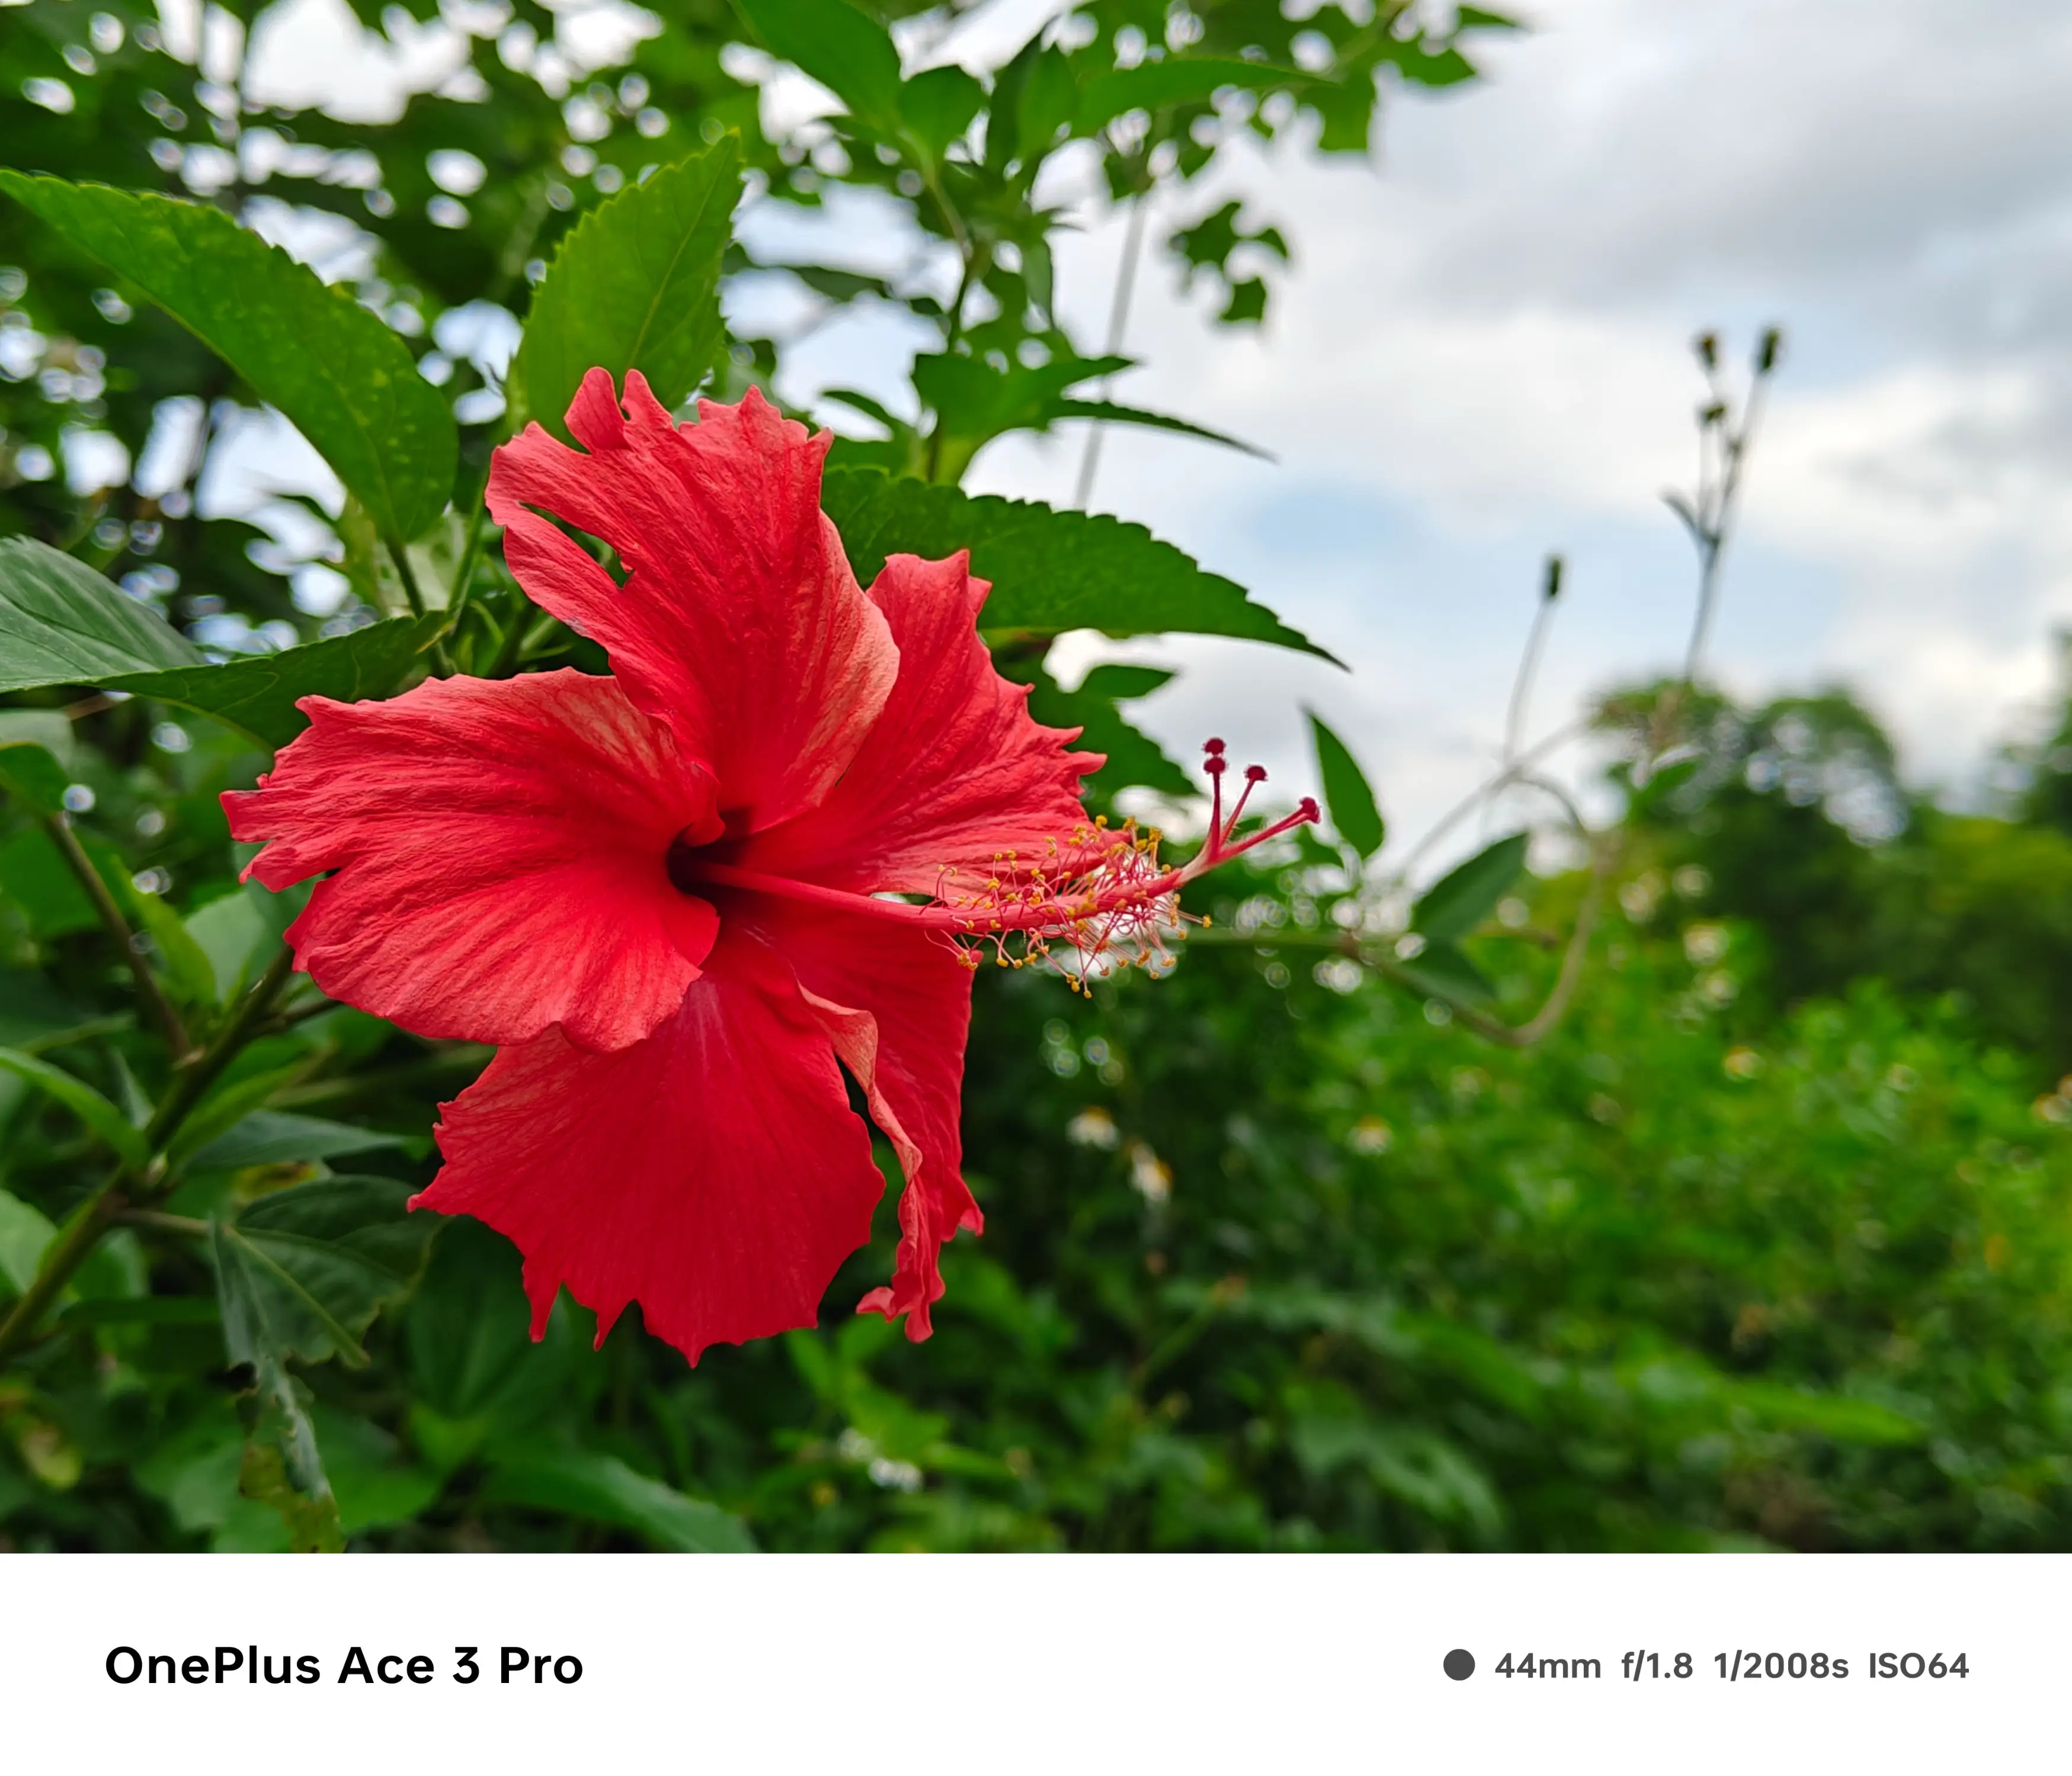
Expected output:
(1460, 1664)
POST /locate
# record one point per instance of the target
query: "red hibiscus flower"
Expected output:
(684, 899)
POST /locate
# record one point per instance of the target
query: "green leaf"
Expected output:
(1836, 1416)
(975, 402)
(1051, 570)
(1119, 682)
(1115, 413)
(604, 1490)
(1035, 97)
(1207, 245)
(180, 958)
(938, 106)
(32, 1011)
(345, 381)
(30, 774)
(477, 1375)
(373, 1481)
(231, 934)
(308, 1268)
(1347, 799)
(1460, 901)
(635, 287)
(277, 1137)
(49, 729)
(1444, 971)
(77, 1096)
(24, 1231)
(1133, 759)
(849, 54)
(36, 878)
(114, 1268)
(37, 757)
(1175, 80)
(62, 623)
(280, 1466)
(1247, 305)
(301, 1273)
(258, 694)
(1422, 67)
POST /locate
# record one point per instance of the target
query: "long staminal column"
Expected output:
(1102, 891)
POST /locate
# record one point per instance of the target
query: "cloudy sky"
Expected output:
(1483, 355)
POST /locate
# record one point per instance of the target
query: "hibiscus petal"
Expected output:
(501, 857)
(714, 1172)
(953, 774)
(898, 1005)
(740, 625)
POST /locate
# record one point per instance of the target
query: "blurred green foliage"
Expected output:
(1276, 1257)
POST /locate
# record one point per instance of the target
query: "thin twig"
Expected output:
(1118, 323)
(157, 1221)
(407, 574)
(1719, 524)
(442, 661)
(1528, 664)
(157, 1006)
(1541, 1024)
(64, 1255)
(470, 551)
(1511, 774)
(951, 335)
(113, 1197)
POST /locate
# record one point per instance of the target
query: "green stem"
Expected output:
(65, 1254)
(955, 333)
(442, 661)
(157, 1006)
(463, 579)
(222, 1050)
(187, 1226)
(406, 574)
(1541, 1024)
(1118, 324)
(113, 1199)
(527, 627)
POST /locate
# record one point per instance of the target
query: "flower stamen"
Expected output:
(1104, 892)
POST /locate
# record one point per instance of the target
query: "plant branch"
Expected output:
(154, 1221)
(406, 574)
(113, 1197)
(1118, 323)
(64, 1255)
(954, 332)
(442, 661)
(1718, 524)
(470, 551)
(1555, 1007)
(1528, 664)
(156, 1007)
(1513, 772)
(223, 1048)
